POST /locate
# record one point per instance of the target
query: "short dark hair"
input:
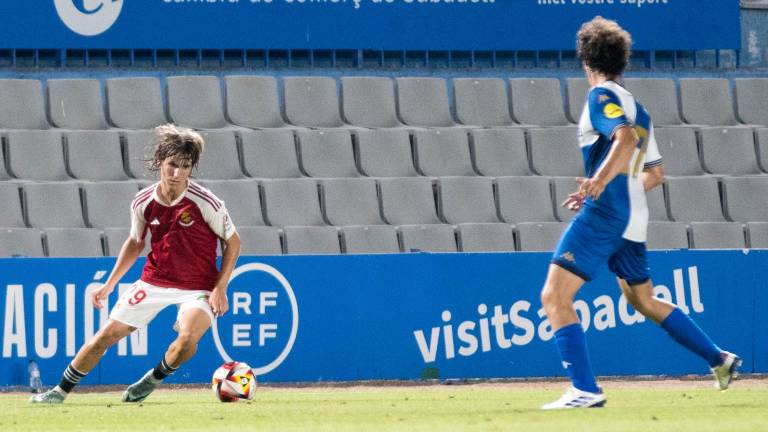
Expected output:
(170, 140)
(603, 46)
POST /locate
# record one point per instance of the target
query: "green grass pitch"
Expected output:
(632, 406)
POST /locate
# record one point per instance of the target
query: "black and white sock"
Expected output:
(70, 379)
(162, 370)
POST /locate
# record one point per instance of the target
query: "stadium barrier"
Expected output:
(381, 317)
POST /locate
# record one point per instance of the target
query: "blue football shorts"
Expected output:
(591, 240)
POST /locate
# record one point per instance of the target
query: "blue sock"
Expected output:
(685, 332)
(573, 351)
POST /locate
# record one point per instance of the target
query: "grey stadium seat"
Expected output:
(135, 102)
(369, 102)
(3, 170)
(408, 200)
(241, 198)
(370, 239)
(196, 101)
(73, 242)
(667, 235)
(351, 201)
(137, 150)
(525, 199)
(729, 150)
(561, 188)
(424, 102)
(443, 152)
(481, 101)
(659, 97)
(312, 102)
(259, 240)
(53, 205)
(36, 155)
(758, 235)
(537, 101)
(577, 97)
(11, 214)
(717, 235)
(428, 238)
(270, 153)
(327, 153)
(23, 104)
(499, 152)
(21, 242)
(466, 199)
(761, 135)
(115, 237)
(707, 101)
(385, 153)
(311, 240)
(291, 202)
(220, 159)
(556, 152)
(95, 155)
(752, 100)
(679, 151)
(252, 101)
(486, 237)
(76, 104)
(694, 199)
(108, 204)
(657, 204)
(539, 236)
(745, 198)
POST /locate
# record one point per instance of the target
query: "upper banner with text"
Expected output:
(361, 24)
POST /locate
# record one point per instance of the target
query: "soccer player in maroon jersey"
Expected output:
(186, 222)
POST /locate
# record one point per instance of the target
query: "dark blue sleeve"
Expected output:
(605, 111)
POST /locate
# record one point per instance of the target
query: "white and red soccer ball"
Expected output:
(234, 381)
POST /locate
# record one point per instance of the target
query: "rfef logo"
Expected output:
(88, 17)
(263, 320)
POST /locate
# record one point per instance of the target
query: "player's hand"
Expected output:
(591, 187)
(574, 201)
(100, 294)
(218, 301)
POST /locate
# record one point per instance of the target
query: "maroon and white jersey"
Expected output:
(185, 235)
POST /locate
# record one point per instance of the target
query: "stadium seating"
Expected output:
(365, 239)
(485, 237)
(124, 95)
(76, 104)
(270, 153)
(23, 104)
(373, 164)
(21, 242)
(312, 102)
(424, 102)
(196, 101)
(73, 242)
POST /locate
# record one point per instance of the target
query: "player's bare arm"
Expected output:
(652, 177)
(624, 144)
(129, 252)
(218, 299)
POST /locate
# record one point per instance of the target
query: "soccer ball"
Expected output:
(233, 381)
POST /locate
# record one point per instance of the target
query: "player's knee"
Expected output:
(187, 341)
(550, 297)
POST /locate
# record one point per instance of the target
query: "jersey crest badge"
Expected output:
(613, 111)
(185, 219)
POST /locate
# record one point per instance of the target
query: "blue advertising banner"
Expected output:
(361, 24)
(403, 316)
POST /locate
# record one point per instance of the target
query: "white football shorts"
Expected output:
(142, 302)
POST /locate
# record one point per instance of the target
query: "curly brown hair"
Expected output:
(604, 46)
(171, 141)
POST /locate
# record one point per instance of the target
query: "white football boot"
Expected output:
(52, 396)
(575, 398)
(139, 390)
(727, 371)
